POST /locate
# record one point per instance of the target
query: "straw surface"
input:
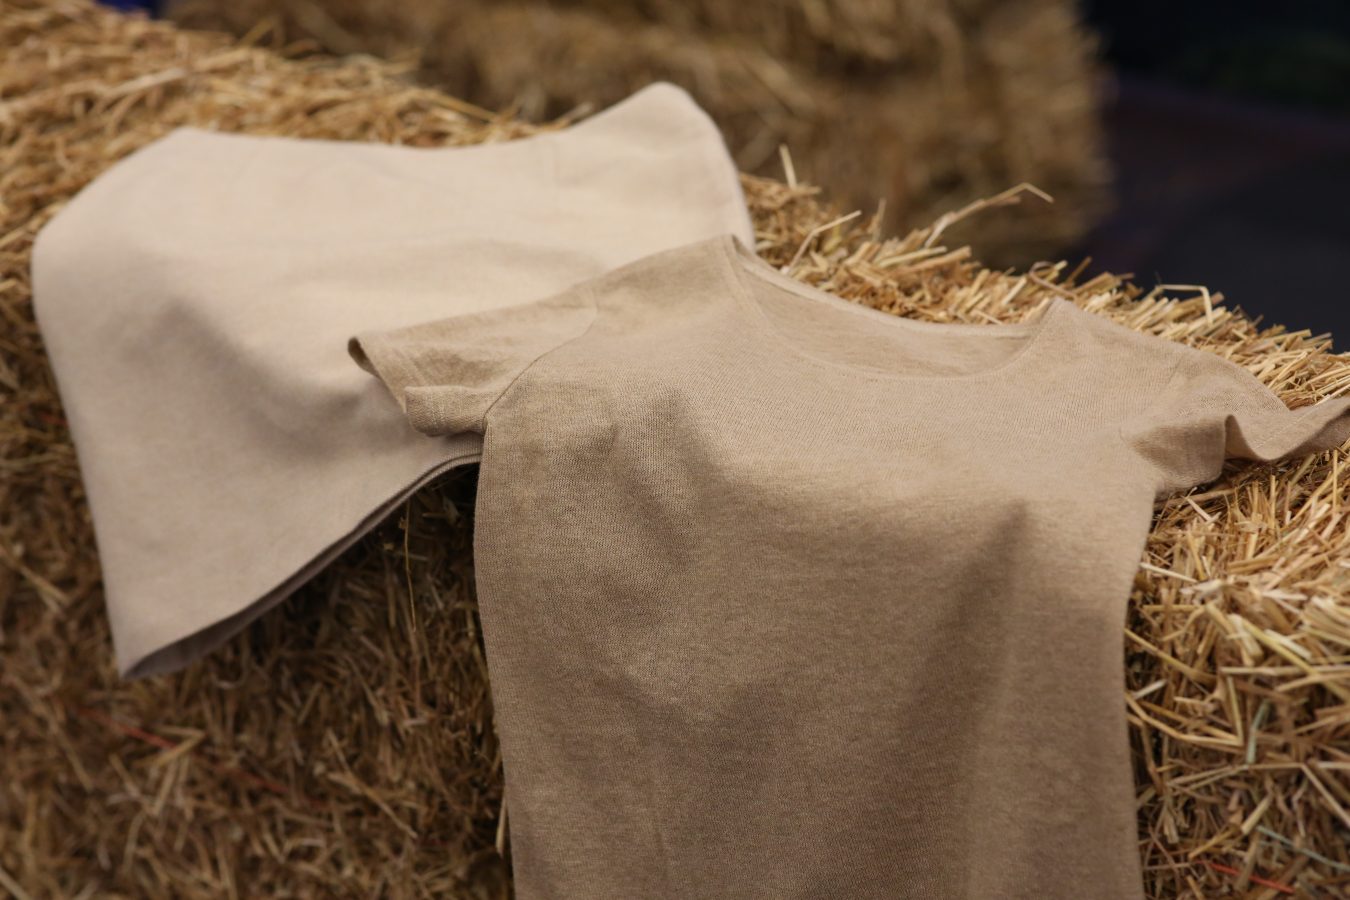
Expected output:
(927, 104)
(343, 746)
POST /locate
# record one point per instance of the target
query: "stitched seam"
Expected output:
(732, 276)
(401, 372)
(1299, 417)
(589, 293)
(417, 375)
(1142, 415)
(1152, 404)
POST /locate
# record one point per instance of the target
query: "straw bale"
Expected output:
(839, 34)
(343, 745)
(927, 105)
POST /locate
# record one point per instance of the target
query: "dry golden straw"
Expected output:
(927, 104)
(343, 746)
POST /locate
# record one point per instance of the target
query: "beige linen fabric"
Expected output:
(196, 301)
(784, 597)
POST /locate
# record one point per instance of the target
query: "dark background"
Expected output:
(1229, 130)
(1230, 134)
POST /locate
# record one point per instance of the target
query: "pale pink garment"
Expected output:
(196, 300)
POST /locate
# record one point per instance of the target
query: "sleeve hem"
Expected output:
(1321, 426)
(382, 358)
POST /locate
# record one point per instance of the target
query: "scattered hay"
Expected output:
(928, 105)
(343, 745)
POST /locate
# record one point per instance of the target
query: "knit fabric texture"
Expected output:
(196, 299)
(787, 597)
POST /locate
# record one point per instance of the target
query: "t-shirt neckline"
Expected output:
(742, 263)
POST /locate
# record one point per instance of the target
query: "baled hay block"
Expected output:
(840, 34)
(926, 105)
(343, 745)
(341, 748)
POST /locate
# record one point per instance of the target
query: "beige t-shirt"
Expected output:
(196, 300)
(787, 597)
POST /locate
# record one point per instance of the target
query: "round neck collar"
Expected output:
(741, 264)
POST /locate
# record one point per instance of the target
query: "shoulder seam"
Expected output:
(1171, 377)
(589, 293)
(1142, 414)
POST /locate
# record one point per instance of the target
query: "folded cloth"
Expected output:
(196, 300)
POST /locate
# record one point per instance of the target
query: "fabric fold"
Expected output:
(1210, 409)
(196, 300)
(1310, 429)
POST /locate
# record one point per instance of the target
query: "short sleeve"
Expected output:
(446, 374)
(1211, 409)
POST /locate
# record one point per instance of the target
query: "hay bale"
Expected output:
(343, 745)
(835, 35)
(927, 105)
(342, 748)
